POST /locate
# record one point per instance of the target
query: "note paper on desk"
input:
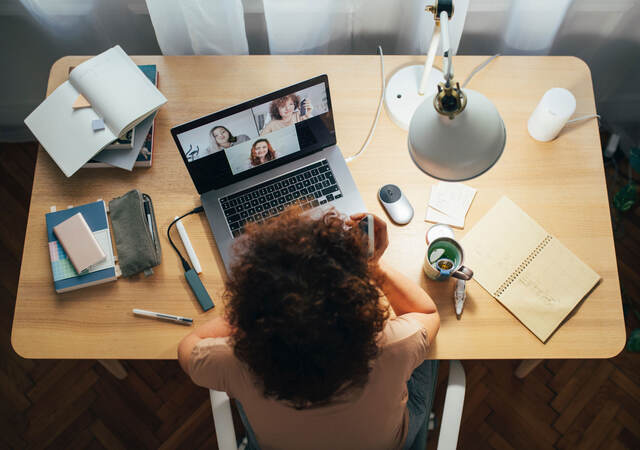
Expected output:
(533, 275)
(449, 203)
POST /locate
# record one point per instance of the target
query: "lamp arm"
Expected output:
(431, 55)
(446, 47)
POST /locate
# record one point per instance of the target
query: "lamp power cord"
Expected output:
(477, 69)
(375, 121)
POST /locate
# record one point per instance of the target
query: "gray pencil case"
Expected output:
(135, 233)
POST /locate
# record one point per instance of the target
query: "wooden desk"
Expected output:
(560, 184)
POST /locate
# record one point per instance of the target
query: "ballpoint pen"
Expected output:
(147, 211)
(172, 318)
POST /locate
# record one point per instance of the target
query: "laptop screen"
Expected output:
(257, 135)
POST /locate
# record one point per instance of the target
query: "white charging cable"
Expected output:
(578, 119)
(478, 68)
(375, 121)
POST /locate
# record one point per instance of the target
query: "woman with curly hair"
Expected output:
(307, 347)
(286, 111)
(261, 152)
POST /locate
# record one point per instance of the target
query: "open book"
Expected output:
(119, 94)
(526, 269)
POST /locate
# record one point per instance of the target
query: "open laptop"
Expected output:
(250, 161)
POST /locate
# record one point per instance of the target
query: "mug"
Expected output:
(444, 259)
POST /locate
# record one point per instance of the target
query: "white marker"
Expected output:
(459, 296)
(182, 320)
(187, 244)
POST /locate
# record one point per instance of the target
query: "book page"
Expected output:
(499, 243)
(66, 133)
(117, 90)
(548, 288)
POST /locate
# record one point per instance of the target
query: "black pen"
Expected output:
(148, 213)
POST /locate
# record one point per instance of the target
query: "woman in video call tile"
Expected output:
(286, 111)
(262, 152)
(222, 138)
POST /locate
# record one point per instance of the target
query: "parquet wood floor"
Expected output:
(563, 404)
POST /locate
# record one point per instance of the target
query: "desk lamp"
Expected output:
(454, 135)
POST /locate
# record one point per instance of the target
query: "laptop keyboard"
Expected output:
(308, 187)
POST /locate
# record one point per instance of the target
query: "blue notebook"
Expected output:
(65, 277)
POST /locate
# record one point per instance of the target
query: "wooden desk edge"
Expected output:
(20, 339)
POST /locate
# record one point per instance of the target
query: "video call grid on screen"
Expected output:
(249, 138)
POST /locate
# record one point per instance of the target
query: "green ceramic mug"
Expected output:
(444, 259)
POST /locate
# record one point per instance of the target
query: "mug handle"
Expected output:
(463, 273)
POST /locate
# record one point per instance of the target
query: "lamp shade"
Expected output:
(460, 148)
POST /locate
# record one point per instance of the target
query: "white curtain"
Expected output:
(605, 34)
(200, 27)
(35, 33)
(354, 26)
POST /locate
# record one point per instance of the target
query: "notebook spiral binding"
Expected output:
(516, 273)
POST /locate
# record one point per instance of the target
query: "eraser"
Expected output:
(97, 124)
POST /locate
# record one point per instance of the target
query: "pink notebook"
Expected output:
(78, 242)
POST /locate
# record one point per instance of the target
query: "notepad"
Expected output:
(526, 269)
(449, 203)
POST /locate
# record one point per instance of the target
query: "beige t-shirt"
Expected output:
(374, 416)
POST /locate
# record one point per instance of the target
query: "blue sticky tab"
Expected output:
(97, 124)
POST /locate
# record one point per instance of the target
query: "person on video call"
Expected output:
(222, 138)
(286, 111)
(307, 347)
(261, 152)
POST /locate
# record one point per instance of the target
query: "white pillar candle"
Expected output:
(551, 114)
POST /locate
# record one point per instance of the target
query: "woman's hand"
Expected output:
(308, 108)
(380, 236)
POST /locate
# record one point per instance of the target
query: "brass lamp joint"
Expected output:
(438, 7)
(449, 101)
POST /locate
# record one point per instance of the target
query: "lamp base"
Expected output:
(401, 96)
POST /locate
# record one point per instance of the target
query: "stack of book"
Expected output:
(65, 276)
(105, 97)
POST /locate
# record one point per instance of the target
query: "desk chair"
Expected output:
(449, 427)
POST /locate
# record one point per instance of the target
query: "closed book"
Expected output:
(78, 242)
(65, 276)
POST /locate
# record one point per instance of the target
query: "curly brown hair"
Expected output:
(304, 306)
(277, 103)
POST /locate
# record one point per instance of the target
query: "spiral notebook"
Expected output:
(530, 272)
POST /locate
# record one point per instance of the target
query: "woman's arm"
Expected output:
(406, 297)
(217, 327)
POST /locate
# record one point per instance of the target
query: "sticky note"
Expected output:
(449, 203)
(81, 102)
(97, 124)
